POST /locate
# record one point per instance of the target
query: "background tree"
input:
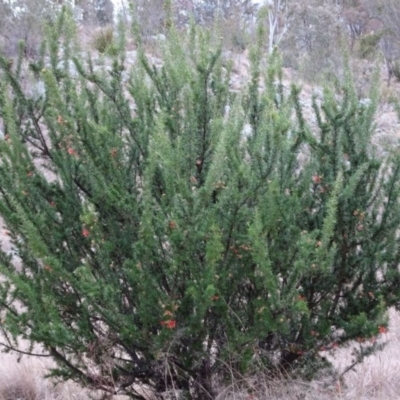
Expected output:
(356, 18)
(236, 19)
(97, 12)
(161, 246)
(278, 13)
(150, 16)
(388, 14)
(312, 44)
(206, 11)
(24, 21)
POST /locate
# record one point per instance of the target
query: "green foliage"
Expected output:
(161, 245)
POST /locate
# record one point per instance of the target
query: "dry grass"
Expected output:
(25, 381)
(377, 378)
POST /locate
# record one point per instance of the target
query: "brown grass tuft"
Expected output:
(25, 380)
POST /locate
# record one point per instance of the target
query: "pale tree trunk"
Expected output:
(278, 22)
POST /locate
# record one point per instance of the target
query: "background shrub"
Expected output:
(103, 39)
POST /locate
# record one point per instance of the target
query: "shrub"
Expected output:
(163, 247)
(396, 70)
(103, 39)
(369, 44)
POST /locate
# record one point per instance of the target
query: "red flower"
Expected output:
(169, 323)
(85, 232)
(317, 179)
(383, 329)
(71, 151)
(172, 224)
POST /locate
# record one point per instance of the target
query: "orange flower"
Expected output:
(48, 268)
(71, 151)
(169, 323)
(85, 232)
